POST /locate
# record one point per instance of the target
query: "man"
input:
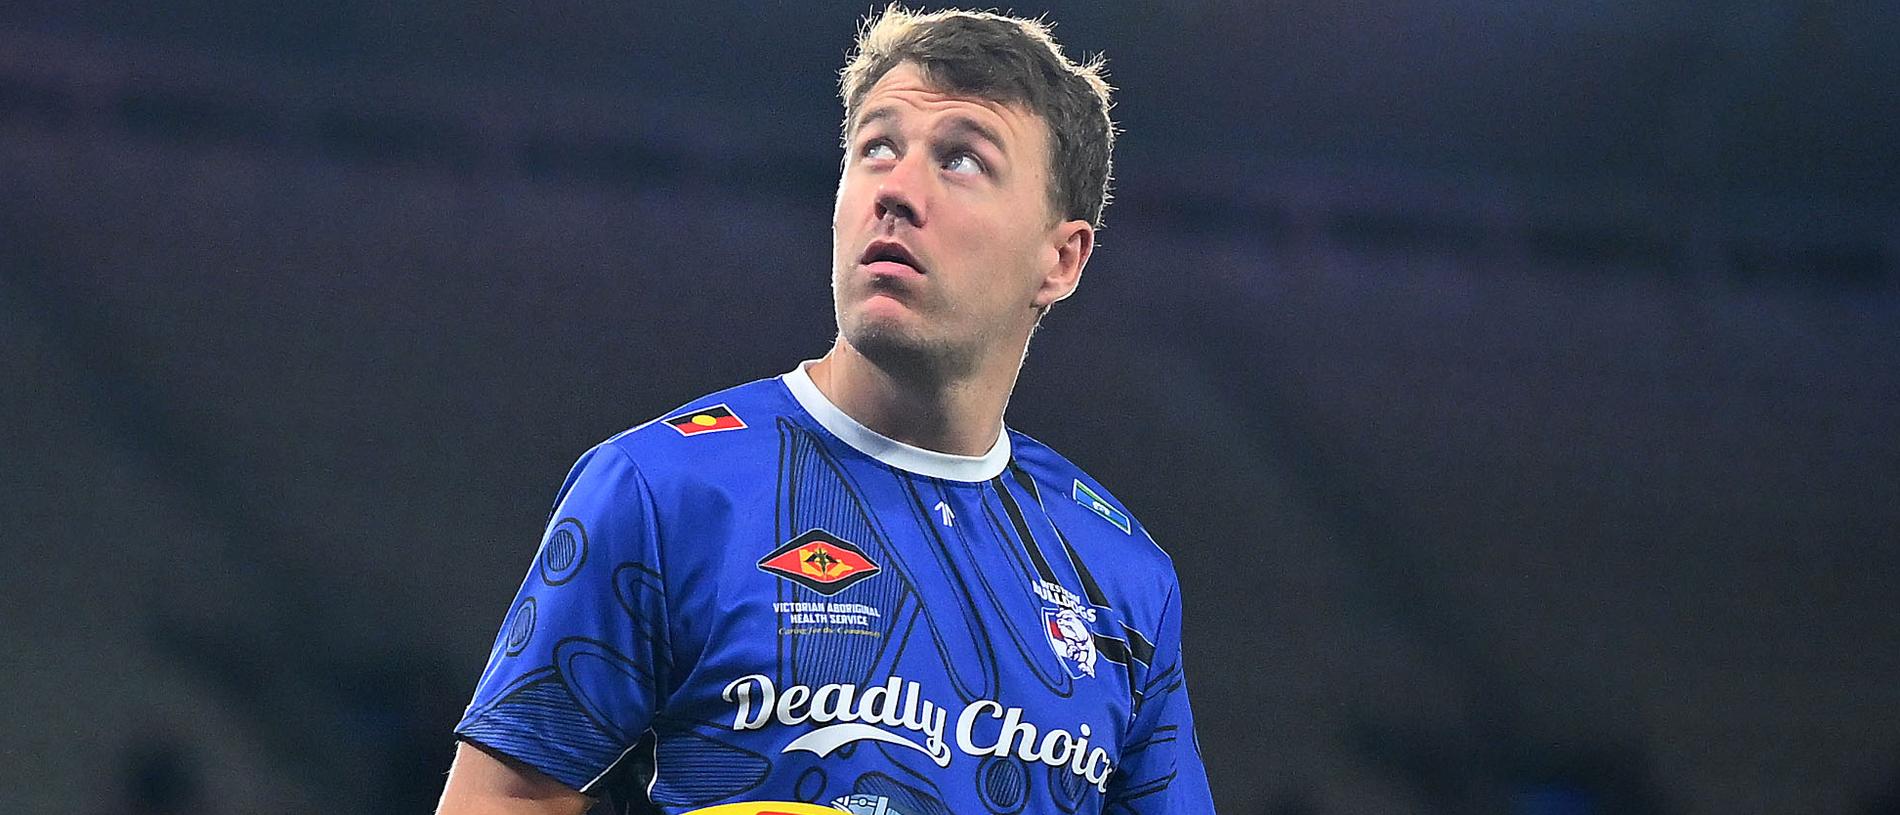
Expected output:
(851, 585)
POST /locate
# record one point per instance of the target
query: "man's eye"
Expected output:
(879, 150)
(963, 163)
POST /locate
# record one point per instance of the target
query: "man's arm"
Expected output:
(1161, 771)
(484, 784)
(579, 666)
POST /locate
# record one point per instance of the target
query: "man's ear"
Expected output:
(1072, 241)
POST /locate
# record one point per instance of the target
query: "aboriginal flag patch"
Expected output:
(820, 561)
(706, 420)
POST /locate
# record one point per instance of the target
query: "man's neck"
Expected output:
(959, 415)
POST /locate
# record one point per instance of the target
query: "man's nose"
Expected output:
(902, 191)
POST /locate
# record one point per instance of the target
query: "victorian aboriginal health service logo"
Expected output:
(820, 561)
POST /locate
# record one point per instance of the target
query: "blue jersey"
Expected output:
(757, 598)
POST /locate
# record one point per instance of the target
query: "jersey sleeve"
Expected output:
(1161, 771)
(581, 663)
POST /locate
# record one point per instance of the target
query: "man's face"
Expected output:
(943, 238)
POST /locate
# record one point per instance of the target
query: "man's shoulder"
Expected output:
(1094, 517)
(723, 426)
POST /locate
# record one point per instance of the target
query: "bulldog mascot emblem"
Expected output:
(1071, 639)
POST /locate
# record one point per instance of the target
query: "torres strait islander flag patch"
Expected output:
(1087, 497)
(706, 420)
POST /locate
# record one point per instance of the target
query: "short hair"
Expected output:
(1008, 60)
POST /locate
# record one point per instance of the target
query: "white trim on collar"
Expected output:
(888, 450)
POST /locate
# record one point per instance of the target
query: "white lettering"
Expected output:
(740, 691)
(966, 725)
(1080, 752)
(789, 703)
(843, 715)
(1014, 728)
(910, 720)
(854, 613)
(832, 703)
(935, 741)
(1099, 779)
(1056, 745)
(1063, 598)
(879, 705)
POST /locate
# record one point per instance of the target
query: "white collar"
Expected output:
(891, 451)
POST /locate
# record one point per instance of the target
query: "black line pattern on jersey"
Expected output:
(1172, 676)
(902, 760)
(955, 660)
(1142, 648)
(1113, 649)
(550, 700)
(514, 686)
(1126, 651)
(1126, 797)
(1138, 645)
(697, 769)
(816, 492)
(1108, 648)
(539, 704)
(1091, 590)
(1029, 652)
(632, 582)
(1163, 734)
(1168, 680)
(1021, 574)
(1023, 533)
(586, 664)
(694, 764)
(903, 797)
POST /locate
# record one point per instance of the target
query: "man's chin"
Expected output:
(896, 346)
(875, 338)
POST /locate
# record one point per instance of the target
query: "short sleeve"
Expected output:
(1161, 771)
(581, 663)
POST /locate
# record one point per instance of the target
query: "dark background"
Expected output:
(1513, 382)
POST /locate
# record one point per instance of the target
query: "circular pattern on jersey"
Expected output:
(521, 626)
(810, 783)
(563, 552)
(1067, 788)
(1004, 784)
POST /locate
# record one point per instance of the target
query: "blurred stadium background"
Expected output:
(1513, 383)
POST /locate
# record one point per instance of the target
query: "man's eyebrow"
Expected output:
(965, 124)
(873, 116)
(956, 124)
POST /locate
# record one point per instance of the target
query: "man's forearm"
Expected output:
(483, 784)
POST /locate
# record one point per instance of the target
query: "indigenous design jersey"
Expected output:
(757, 598)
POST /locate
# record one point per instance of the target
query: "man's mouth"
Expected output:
(890, 258)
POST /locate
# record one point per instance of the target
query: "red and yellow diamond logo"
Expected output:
(820, 561)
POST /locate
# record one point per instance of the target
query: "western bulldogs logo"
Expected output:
(1071, 639)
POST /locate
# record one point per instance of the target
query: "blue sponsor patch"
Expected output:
(1087, 497)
